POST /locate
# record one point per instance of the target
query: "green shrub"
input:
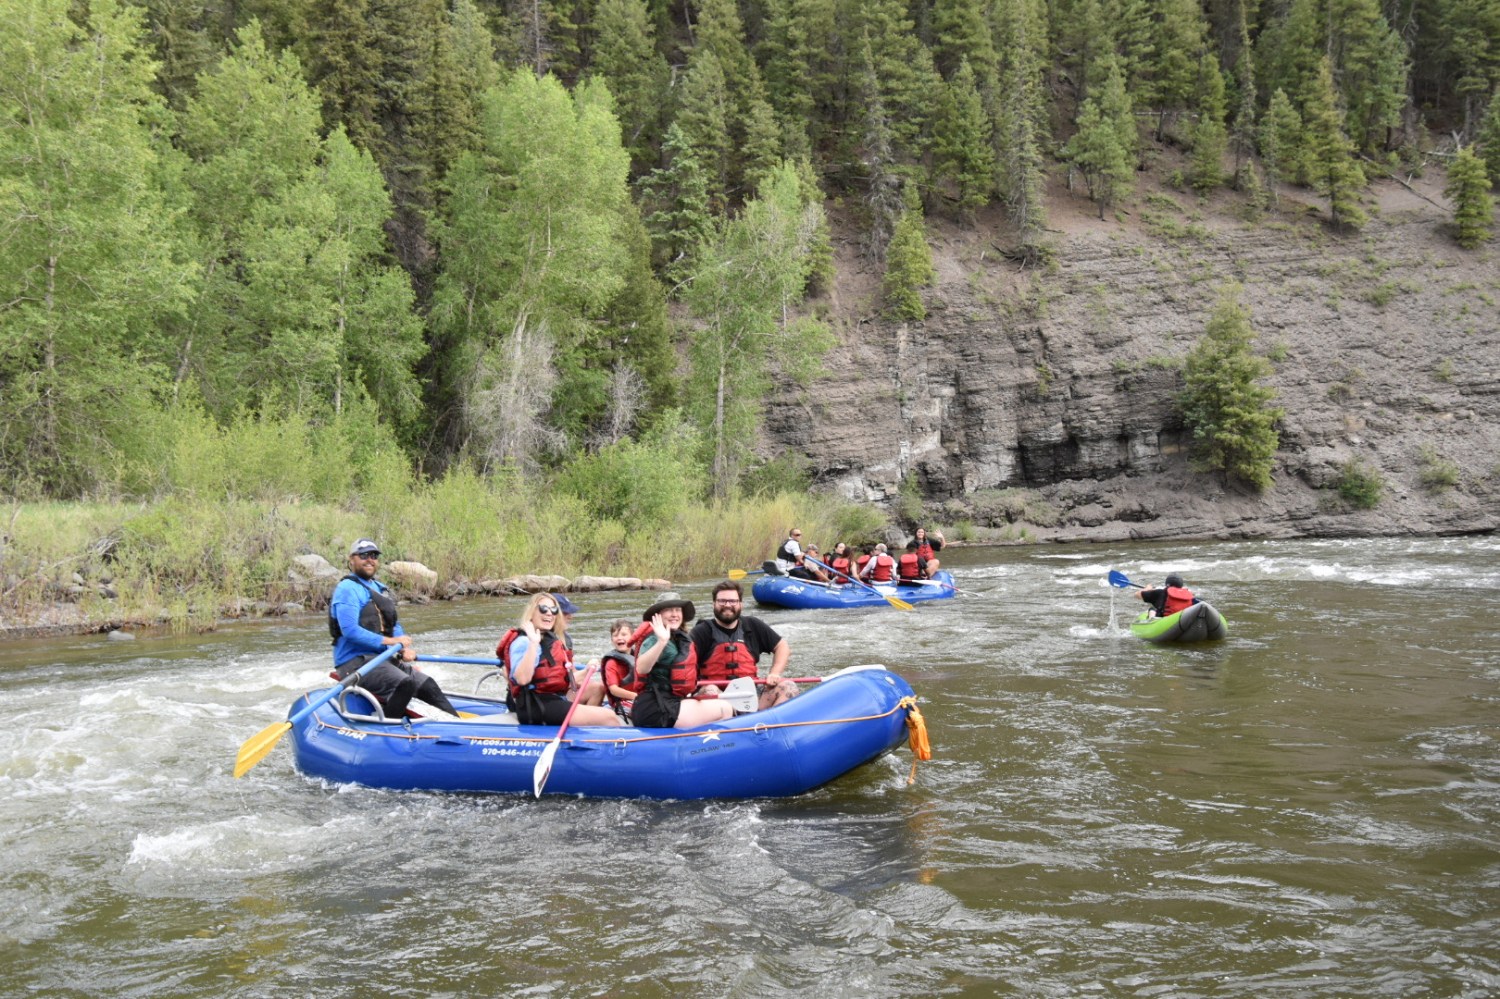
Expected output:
(1438, 474)
(1361, 486)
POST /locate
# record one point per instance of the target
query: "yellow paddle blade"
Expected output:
(255, 748)
(898, 603)
(737, 574)
(467, 714)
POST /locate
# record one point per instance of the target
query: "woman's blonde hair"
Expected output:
(537, 599)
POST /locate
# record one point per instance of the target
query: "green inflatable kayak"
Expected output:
(1198, 623)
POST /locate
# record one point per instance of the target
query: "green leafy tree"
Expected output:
(1473, 207)
(1229, 413)
(749, 277)
(961, 149)
(1330, 161)
(1174, 74)
(908, 267)
(535, 248)
(91, 259)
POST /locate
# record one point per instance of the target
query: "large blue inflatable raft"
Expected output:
(848, 719)
(804, 594)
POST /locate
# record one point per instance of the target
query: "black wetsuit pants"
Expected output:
(396, 684)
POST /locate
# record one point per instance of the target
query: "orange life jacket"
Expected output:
(551, 673)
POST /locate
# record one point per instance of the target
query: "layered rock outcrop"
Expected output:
(1043, 404)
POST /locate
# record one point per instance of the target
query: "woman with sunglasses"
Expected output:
(537, 664)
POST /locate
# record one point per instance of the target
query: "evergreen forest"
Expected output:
(320, 248)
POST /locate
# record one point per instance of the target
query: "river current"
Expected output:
(1309, 808)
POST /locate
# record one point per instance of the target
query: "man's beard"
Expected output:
(727, 616)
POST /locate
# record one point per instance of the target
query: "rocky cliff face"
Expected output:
(1041, 405)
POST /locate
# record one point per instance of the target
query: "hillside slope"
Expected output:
(1041, 404)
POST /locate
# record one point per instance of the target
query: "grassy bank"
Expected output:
(188, 559)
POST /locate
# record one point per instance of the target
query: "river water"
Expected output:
(1310, 808)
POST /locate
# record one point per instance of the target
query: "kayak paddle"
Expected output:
(1119, 579)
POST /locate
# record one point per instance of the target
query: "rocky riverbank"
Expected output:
(92, 607)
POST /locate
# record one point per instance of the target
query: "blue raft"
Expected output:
(848, 719)
(804, 594)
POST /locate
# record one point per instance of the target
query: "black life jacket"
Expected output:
(377, 615)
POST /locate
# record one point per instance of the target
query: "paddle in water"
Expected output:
(255, 748)
(543, 768)
(742, 573)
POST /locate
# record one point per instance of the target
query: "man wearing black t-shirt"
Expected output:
(730, 645)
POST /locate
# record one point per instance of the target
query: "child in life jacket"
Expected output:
(618, 666)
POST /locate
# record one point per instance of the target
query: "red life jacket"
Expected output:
(551, 673)
(729, 659)
(909, 566)
(924, 550)
(860, 563)
(1178, 598)
(681, 677)
(884, 570)
(841, 568)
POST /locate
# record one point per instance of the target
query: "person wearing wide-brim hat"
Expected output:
(668, 664)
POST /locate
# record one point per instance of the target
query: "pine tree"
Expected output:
(1281, 143)
(1330, 154)
(1469, 39)
(703, 114)
(1021, 124)
(901, 67)
(961, 33)
(1242, 129)
(345, 68)
(1231, 417)
(1181, 39)
(1369, 64)
(1206, 169)
(908, 267)
(883, 199)
(626, 57)
(1489, 138)
(796, 41)
(679, 216)
(961, 147)
(1103, 148)
(1473, 206)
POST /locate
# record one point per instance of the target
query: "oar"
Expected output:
(896, 602)
(543, 768)
(763, 679)
(742, 573)
(462, 660)
(936, 582)
(255, 748)
(1119, 579)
